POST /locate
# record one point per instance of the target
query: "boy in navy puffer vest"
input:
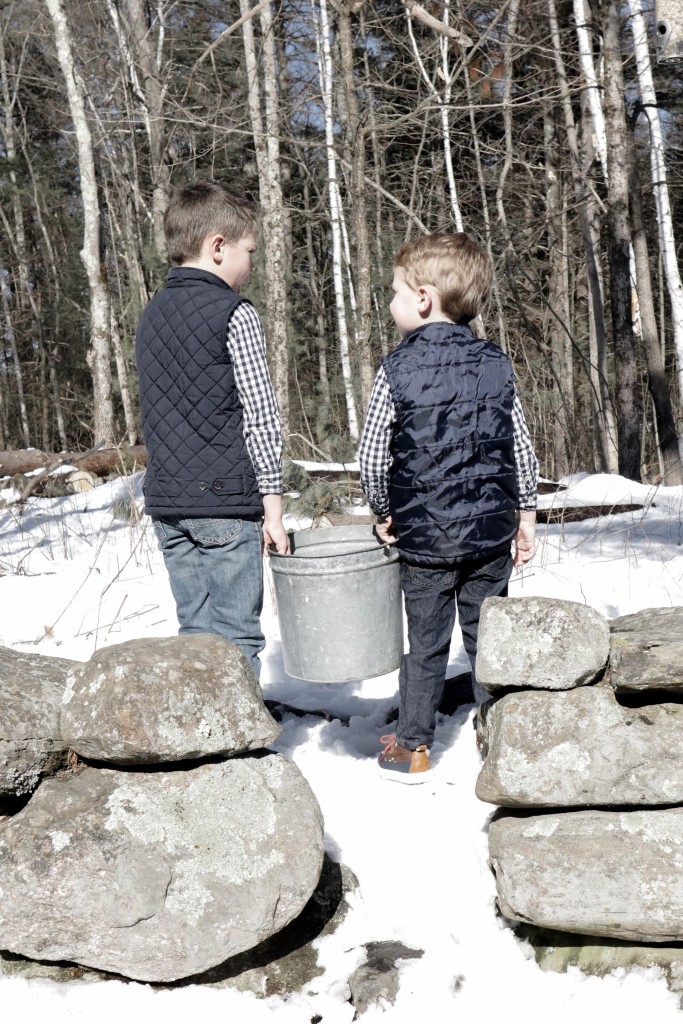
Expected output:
(448, 467)
(213, 485)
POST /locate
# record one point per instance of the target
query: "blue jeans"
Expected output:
(215, 568)
(430, 600)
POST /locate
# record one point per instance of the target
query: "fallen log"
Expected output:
(100, 461)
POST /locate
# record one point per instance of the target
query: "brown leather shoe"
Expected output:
(400, 764)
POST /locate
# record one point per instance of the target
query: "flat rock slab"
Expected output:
(540, 643)
(610, 873)
(159, 875)
(580, 748)
(31, 745)
(166, 699)
(646, 651)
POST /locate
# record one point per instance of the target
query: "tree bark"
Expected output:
(326, 74)
(135, 44)
(667, 241)
(359, 222)
(100, 462)
(98, 357)
(267, 146)
(558, 297)
(604, 416)
(657, 378)
(629, 409)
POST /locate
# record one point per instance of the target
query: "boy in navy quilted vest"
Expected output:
(213, 485)
(448, 467)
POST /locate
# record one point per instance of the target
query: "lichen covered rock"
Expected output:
(165, 699)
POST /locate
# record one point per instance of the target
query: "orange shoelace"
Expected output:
(389, 739)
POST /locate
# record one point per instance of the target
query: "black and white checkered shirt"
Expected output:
(375, 460)
(247, 347)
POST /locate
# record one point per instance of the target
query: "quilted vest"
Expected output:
(453, 486)
(192, 417)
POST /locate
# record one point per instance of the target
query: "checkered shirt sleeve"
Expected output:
(374, 453)
(247, 347)
(526, 462)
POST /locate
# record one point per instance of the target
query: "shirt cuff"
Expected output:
(270, 486)
(380, 506)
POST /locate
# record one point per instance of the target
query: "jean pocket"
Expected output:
(212, 533)
(429, 579)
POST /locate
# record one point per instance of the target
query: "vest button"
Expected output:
(203, 485)
(218, 485)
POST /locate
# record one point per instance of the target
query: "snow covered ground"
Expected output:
(73, 579)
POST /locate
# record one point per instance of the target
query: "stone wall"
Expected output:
(582, 749)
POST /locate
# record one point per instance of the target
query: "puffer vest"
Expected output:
(192, 416)
(453, 486)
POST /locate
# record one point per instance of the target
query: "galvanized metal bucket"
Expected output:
(338, 598)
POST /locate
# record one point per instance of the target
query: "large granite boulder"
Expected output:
(580, 748)
(646, 651)
(610, 873)
(31, 745)
(165, 699)
(539, 643)
(159, 875)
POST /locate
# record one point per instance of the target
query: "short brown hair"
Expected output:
(454, 264)
(202, 208)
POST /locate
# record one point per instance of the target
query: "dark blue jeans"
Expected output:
(430, 598)
(215, 568)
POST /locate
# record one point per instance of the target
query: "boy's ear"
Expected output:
(217, 248)
(424, 301)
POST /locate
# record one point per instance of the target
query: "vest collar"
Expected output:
(441, 329)
(178, 276)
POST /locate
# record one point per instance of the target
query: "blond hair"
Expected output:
(203, 208)
(455, 265)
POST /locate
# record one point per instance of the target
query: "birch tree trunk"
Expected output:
(99, 354)
(267, 146)
(326, 75)
(660, 187)
(629, 410)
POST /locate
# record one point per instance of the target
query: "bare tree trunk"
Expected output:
(326, 83)
(558, 298)
(11, 338)
(99, 355)
(325, 404)
(443, 74)
(140, 58)
(629, 411)
(359, 221)
(667, 240)
(605, 419)
(122, 374)
(657, 378)
(53, 276)
(267, 146)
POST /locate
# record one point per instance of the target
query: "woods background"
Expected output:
(545, 128)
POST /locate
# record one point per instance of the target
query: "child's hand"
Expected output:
(273, 530)
(385, 530)
(525, 538)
